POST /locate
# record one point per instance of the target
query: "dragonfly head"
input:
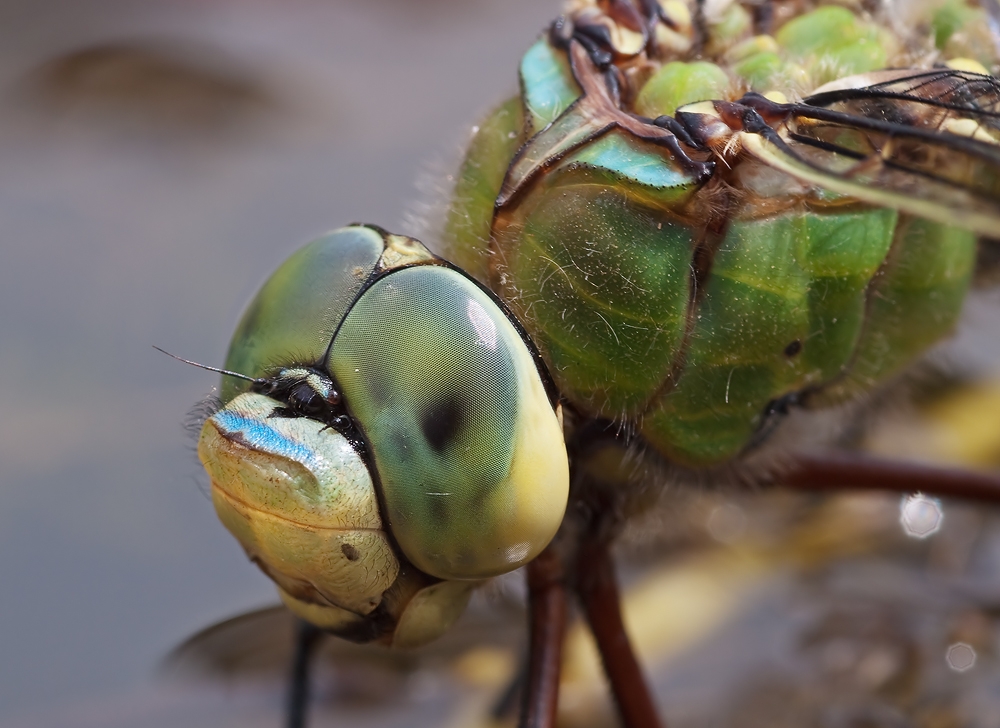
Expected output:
(394, 443)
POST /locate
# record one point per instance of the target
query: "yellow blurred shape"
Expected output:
(485, 666)
(675, 608)
(665, 614)
(961, 427)
(967, 64)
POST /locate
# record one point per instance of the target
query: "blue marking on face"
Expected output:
(262, 437)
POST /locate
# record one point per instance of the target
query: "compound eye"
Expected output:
(468, 450)
(395, 411)
(294, 315)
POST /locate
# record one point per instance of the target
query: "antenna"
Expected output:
(211, 369)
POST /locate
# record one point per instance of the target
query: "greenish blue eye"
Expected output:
(293, 317)
(451, 406)
(394, 406)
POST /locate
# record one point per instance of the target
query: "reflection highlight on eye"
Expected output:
(483, 324)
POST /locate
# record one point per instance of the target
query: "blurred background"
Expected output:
(157, 161)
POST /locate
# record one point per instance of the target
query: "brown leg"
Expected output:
(859, 472)
(595, 579)
(547, 607)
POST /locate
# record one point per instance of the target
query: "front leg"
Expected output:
(547, 604)
(579, 558)
(597, 588)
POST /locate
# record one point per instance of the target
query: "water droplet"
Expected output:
(920, 516)
(960, 657)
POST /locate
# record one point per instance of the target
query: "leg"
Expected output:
(851, 471)
(307, 639)
(598, 592)
(547, 607)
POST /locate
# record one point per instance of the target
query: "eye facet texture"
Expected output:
(473, 470)
(395, 416)
(293, 317)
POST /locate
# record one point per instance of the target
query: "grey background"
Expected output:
(143, 203)
(157, 161)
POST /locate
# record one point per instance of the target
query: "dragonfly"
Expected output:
(771, 608)
(691, 230)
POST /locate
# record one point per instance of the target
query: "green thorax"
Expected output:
(691, 308)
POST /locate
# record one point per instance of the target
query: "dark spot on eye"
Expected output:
(793, 349)
(438, 509)
(379, 386)
(441, 422)
(350, 552)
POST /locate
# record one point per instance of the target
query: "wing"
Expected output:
(371, 684)
(923, 142)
